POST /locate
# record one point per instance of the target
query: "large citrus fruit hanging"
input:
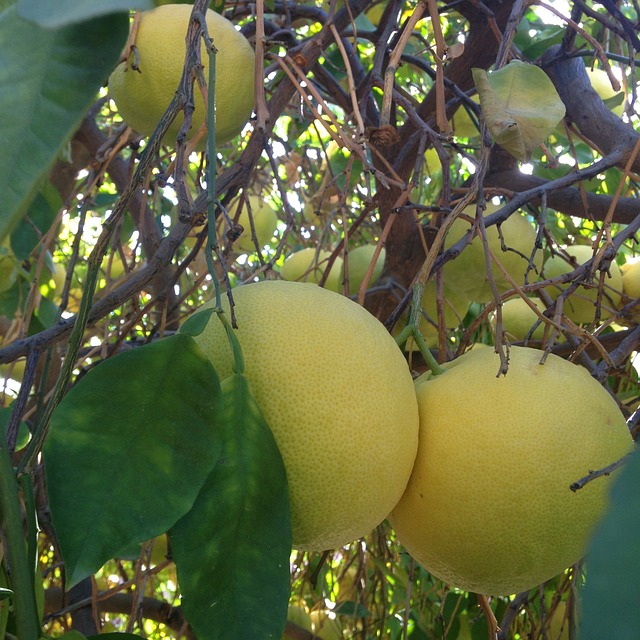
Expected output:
(143, 94)
(489, 507)
(337, 393)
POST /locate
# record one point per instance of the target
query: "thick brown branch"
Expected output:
(585, 107)
(568, 200)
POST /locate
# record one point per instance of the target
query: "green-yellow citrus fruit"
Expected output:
(309, 265)
(602, 86)
(375, 13)
(358, 264)
(462, 124)
(631, 278)
(518, 319)
(467, 273)
(143, 95)
(489, 507)
(265, 222)
(8, 268)
(337, 393)
(580, 306)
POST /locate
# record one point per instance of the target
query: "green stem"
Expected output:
(75, 341)
(238, 357)
(21, 573)
(413, 329)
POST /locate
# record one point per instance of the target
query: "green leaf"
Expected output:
(63, 13)
(40, 216)
(129, 448)
(609, 607)
(520, 106)
(196, 323)
(48, 78)
(232, 549)
(5, 593)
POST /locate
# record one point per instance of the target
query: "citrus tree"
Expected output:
(231, 237)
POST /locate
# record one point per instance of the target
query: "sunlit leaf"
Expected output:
(48, 78)
(232, 549)
(520, 106)
(609, 607)
(129, 449)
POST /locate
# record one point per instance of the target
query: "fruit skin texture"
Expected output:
(142, 97)
(488, 507)
(309, 265)
(580, 305)
(338, 396)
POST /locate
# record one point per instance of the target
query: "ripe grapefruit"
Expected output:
(489, 507)
(337, 394)
(142, 95)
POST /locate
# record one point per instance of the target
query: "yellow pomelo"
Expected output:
(143, 96)
(8, 268)
(359, 261)
(631, 278)
(337, 393)
(309, 265)
(518, 319)
(265, 222)
(602, 86)
(489, 507)
(375, 13)
(467, 273)
(462, 124)
(580, 306)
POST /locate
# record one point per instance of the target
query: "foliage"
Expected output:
(103, 258)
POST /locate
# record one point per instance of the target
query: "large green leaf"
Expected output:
(129, 448)
(612, 592)
(65, 12)
(48, 78)
(232, 549)
(520, 106)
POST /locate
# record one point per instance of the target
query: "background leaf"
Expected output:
(66, 12)
(138, 435)
(520, 105)
(232, 549)
(612, 592)
(48, 78)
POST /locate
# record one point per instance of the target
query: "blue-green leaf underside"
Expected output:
(129, 448)
(232, 549)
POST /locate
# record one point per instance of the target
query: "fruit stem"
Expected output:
(238, 357)
(413, 330)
